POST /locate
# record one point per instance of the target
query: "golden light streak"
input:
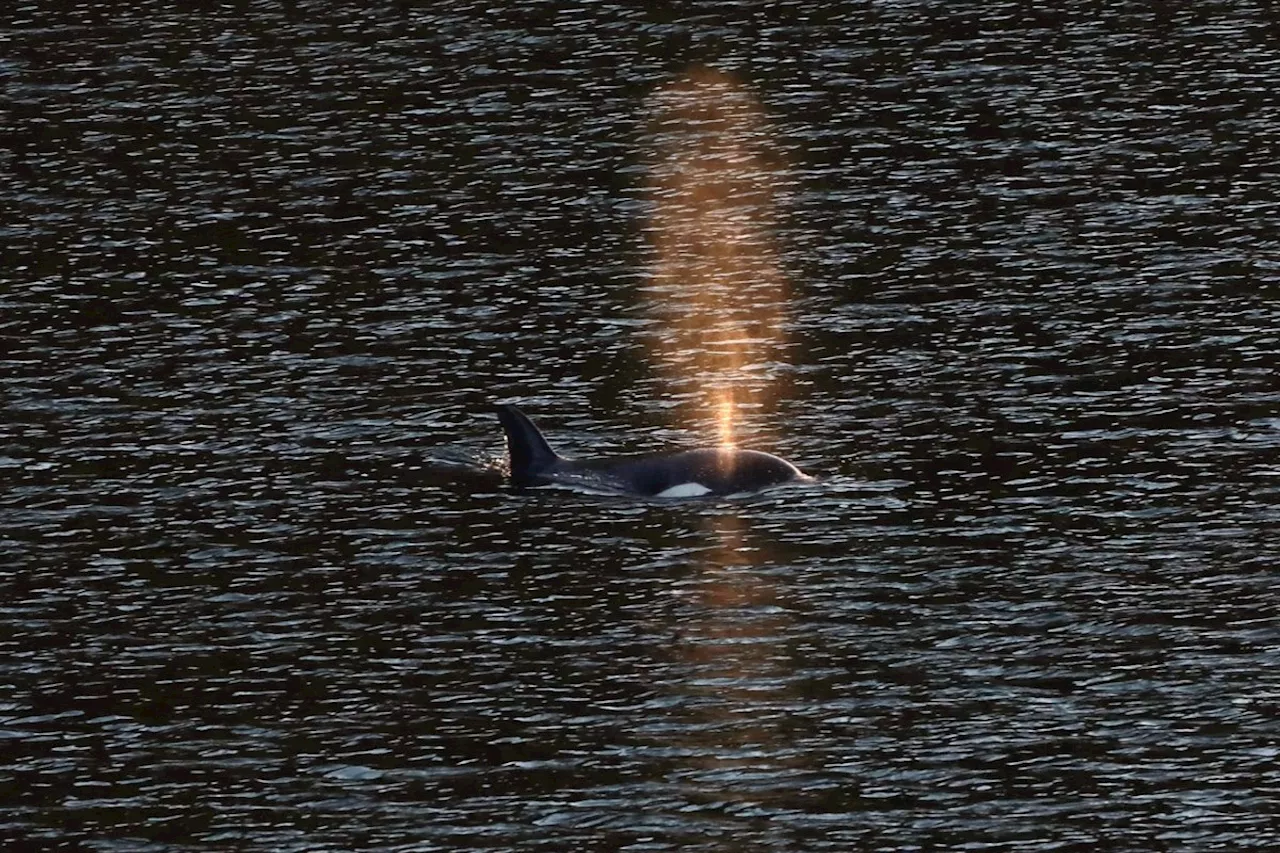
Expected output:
(717, 289)
(715, 283)
(740, 672)
(724, 419)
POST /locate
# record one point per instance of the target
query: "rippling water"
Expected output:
(266, 266)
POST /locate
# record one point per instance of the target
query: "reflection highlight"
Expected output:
(717, 289)
(715, 284)
(742, 688)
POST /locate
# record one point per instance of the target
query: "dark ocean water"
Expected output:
(267, 266)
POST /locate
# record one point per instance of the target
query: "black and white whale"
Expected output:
(685, 474)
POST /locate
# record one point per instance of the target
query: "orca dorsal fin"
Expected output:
(530, 454)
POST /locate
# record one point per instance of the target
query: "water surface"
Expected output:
(267, 266)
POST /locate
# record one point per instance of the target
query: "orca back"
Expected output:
(531, 457)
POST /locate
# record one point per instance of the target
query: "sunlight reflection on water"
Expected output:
(715, 281)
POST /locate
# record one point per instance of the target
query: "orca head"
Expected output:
(752, 470)
(707, 471)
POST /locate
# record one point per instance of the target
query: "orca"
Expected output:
(713, 471)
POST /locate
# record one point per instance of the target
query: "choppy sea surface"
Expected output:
(267, 266)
